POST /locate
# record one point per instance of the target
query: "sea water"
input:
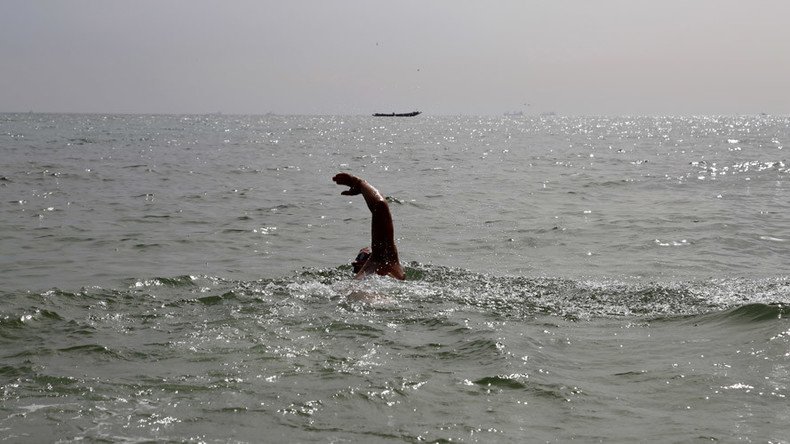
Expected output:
(186, 279)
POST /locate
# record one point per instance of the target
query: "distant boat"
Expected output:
(411, 114)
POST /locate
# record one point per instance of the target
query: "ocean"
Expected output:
(169, 278)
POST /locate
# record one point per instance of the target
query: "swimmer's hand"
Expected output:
(355, 183)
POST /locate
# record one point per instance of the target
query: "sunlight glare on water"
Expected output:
(186, 278)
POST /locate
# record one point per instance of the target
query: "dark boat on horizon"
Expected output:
(411, 114)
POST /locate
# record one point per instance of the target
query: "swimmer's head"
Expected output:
(360, 260)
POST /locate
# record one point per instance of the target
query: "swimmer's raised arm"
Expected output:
(383, 258)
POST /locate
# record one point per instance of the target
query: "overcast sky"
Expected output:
(587, 57)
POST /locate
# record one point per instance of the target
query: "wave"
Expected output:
(523, 297)
(748, 314)
(428, 289)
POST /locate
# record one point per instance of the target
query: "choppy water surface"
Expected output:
(183, 278)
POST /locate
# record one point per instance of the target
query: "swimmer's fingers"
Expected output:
(351, 192)
(350, 181)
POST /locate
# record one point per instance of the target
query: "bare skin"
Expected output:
(383, 259)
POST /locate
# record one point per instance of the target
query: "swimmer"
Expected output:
(382, 256)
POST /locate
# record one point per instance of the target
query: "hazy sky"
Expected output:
(363, 56)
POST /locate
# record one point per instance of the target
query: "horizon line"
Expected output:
(502, 114)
